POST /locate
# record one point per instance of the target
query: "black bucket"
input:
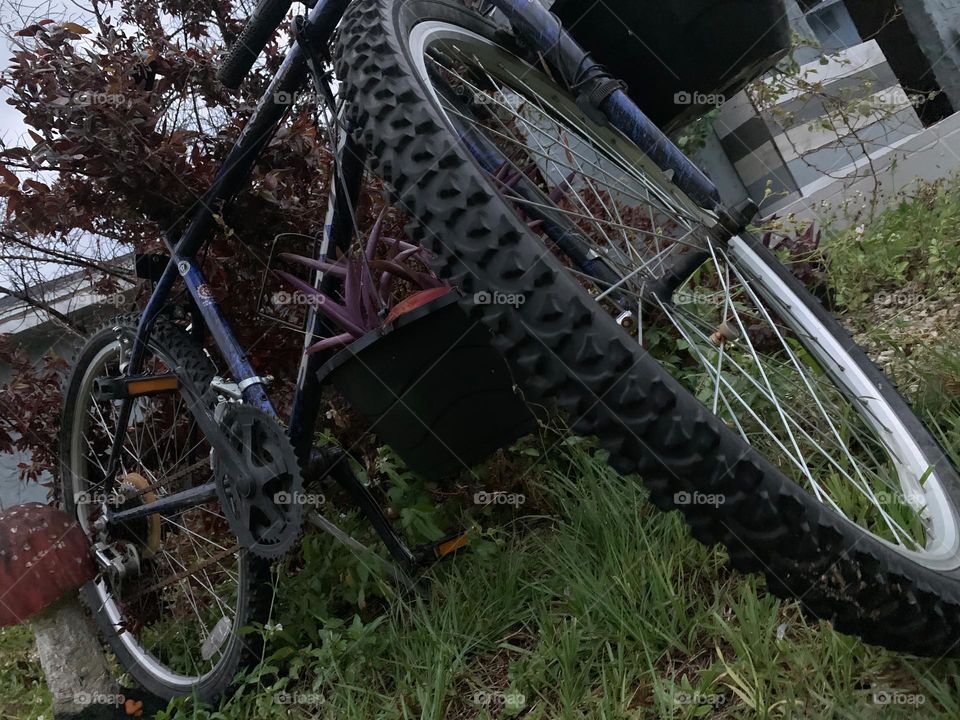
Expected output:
(679, 58)
(432, 387)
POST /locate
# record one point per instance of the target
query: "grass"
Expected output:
(600, 607)
(584, 601)
(913, 245)
(23, 693)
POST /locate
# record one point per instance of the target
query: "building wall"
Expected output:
(37, 335)
(786, 149)
(929, 156)
(936, 25)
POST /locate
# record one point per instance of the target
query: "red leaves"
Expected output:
(30, 405)
(36, 186)
(126, 132)
(32, 30)
(72, 27)
(10, 181)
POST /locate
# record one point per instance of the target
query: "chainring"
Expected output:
(263, 504)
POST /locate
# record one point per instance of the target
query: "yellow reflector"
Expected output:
(451, 546)
(163, 383)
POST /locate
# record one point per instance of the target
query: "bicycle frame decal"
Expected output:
(233, 353)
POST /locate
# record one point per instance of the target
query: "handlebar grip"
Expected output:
(256, 34)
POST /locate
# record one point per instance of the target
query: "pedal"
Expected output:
(123, 388)
(434, 552)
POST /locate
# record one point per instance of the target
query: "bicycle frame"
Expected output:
(542, 32)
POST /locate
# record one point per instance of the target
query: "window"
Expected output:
(831, 23)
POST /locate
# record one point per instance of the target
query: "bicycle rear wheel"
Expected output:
(739, 399)
(172, 613)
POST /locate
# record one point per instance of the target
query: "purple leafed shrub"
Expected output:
(372, 283)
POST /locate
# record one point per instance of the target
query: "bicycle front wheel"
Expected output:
(737, 397)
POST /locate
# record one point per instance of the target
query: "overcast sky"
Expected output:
(14, 16)
(11, 122)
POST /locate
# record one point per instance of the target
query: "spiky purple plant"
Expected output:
(368, 287)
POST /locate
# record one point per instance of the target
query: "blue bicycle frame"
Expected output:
(540, 30)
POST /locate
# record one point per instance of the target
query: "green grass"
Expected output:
(585, 602)
(916, 243)
(23, 693)
(599, 607)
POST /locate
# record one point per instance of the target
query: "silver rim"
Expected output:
(742, 341)
(199, 594)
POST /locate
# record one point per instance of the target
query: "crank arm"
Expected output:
(397, 572)
(200, 495)
(339, 469)
(166, 505)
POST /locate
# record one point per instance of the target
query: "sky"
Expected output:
(14, 16)
(11, 122)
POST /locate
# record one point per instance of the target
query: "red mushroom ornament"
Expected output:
(44, 555)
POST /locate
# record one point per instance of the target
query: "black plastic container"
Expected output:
(433, 388)
(678, 56)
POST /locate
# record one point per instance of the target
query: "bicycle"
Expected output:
(650, 317)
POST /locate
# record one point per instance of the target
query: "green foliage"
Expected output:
(23, 694)
(601, 608)
(693, 137)
(915, 241)
(418, 509)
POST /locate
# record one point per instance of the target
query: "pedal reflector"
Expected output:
(448, 547)
(148, 386)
